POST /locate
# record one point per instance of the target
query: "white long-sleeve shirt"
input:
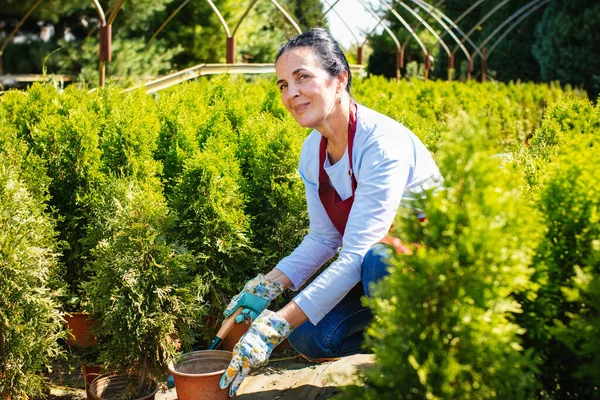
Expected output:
(390, 163)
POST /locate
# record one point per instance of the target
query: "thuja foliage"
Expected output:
(562, 321)
(30, 323)
(444, 317)
(268, 151)
(140, 284)
(509, 112)
(211, 219)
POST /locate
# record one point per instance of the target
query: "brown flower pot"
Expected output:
(197, 375)
(79, 326)
(234, 336)
(90, 372)
(236, 333)
(109, 386)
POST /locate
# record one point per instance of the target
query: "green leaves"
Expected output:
(139, 287)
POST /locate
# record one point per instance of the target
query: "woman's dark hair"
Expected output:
(326, 49)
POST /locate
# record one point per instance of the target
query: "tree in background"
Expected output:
(566, 45)
(195, 35)
(555, 42)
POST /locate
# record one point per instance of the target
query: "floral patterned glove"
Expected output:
(254, 348)
(255, 297)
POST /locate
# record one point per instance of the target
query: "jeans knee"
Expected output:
(374, 266)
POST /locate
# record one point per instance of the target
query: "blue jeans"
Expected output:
(340, 332)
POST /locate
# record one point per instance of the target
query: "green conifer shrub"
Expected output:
(63, 130)
(140, 285)
(562, 320)
(211, 220)
(268, 151)
(30, 323)
(443, 323)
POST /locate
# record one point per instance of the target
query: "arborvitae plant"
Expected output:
(444, 317)
(211, 219)
(563, 320)
(140, 291)
(129, 128)
(63, 130)
(563, 123)
(30, 323)
(268, 151)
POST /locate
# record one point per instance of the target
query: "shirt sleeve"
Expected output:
(382, 176)
(323, 240)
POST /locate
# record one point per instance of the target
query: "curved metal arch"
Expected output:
(510, 28)
(341, 19)
(399, 51)
(408, 28)
(14, 31)
(482, 20)
(287, 15)
(427, 26)
(169, 18)
(468, 11)
(506, 21)
(454, 25)
(431, 10)
(387, 29)
(418, 25)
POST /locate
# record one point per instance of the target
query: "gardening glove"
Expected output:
(255, 297)
(254, 348)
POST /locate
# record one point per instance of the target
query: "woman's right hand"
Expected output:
(254, 298)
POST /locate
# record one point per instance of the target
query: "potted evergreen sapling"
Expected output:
(139, 291)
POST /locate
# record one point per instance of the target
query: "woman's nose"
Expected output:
(293, 91)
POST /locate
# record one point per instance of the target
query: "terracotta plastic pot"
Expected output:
(236, 333)
(197, 375)
(234, 336)
(79, 326)
(90, 372)
(109, 386)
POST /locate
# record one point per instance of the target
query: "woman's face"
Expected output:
(307, 90)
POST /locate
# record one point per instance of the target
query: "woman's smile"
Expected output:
(307, 90)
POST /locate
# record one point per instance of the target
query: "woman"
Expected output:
(356, 165)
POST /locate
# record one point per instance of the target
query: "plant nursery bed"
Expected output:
(292, 377)
(287, 376)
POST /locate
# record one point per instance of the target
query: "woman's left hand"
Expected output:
(254, 348)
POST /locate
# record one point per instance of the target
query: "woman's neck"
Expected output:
(335, 129)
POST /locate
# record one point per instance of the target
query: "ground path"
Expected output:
(285, 378)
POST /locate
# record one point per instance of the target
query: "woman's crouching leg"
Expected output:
(374, 266)
(338, 334)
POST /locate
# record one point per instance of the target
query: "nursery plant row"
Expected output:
(149, 213)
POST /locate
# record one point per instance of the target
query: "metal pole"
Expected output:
(410, 30)
(484, 66)
(162, 26)
(343, 21)
(287, 16)
(399, 59)
(102, 70)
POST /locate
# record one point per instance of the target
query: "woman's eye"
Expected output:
(282, 86)
(303, 76)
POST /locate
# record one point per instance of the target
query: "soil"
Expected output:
(205, 367)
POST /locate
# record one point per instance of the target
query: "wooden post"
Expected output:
(105, 50)
(469, 69)
(359, 55)
(230, 52)
(398, 64)
(484, 65)
(450, 67)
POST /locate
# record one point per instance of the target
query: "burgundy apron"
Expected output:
(337, 209)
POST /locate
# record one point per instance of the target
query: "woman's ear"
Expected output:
(343, 80)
